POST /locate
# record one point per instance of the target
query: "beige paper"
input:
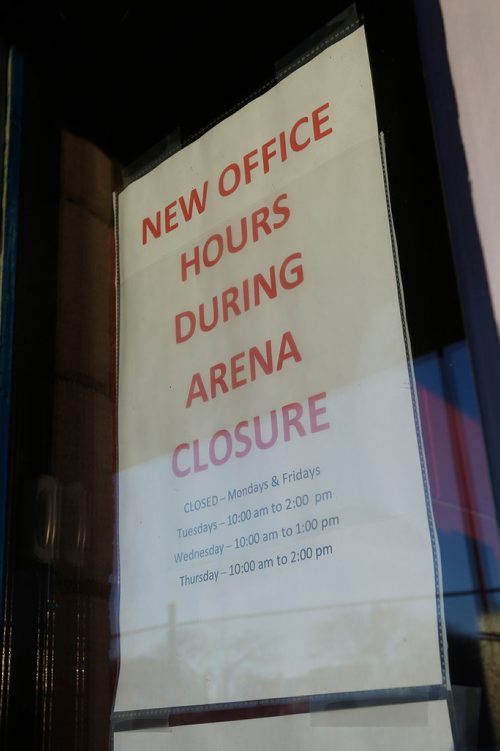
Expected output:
(274, 533)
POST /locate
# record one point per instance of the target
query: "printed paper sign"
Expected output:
(274, 534)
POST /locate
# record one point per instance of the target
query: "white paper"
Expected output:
(304, 567)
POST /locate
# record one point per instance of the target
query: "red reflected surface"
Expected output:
(463, 503)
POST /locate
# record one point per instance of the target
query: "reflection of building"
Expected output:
(489, 630)
(465, 513)
(463, 502)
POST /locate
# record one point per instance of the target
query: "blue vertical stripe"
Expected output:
(12, 169)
